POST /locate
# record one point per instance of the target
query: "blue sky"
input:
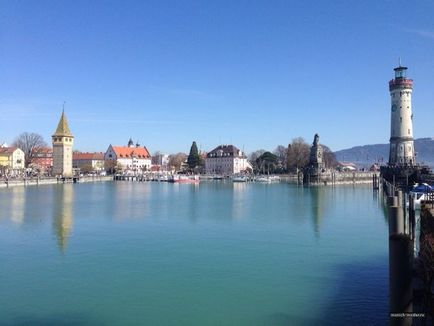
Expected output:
(252, 73)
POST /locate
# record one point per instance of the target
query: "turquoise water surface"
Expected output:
(218, 253)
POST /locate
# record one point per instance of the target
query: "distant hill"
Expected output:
(366, 155)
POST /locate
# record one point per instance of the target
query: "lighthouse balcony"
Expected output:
(400, 83)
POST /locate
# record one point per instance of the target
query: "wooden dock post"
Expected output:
(400, 264)
(411, 216)
(400, 278)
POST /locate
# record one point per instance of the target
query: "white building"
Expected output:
(131, 158)
(12, 158)
(401, 126)
(226, 160)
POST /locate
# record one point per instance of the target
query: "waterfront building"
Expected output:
(160, 162)
(129, 158)
(88, 161)
(226, 160)
(401, 126)
(42, 158)
(11, 159)
(62, 140)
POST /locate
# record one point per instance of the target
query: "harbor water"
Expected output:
(217, 253)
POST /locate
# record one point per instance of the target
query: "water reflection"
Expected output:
(62, 214)
(193, 199)
(130, 200)
(17, 204)
(317, 206)
(239, 209)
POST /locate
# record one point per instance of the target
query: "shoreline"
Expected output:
(50, 181)
(363, 178)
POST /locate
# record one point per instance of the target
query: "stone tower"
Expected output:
(401, 126)
(62, 148)
(316, 154)
(314, 171)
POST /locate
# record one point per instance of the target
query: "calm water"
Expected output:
(214, 254)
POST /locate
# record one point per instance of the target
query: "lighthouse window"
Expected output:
(400, 119)
(409, 131)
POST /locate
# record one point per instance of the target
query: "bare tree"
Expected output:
(253, 158)
(297, 154)
(282, 157)
(175, 160)
(330, 160)
(155, 157)
(29, 143)
(87, 168)
(281, 152)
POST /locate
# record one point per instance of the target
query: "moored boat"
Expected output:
(179, 178)
(267, 178)
(262, 179)
(239, 178)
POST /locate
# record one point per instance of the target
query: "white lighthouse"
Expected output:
(401, 126)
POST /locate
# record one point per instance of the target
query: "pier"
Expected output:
(411, 253)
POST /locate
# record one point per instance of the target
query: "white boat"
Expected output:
(420, 192)
(163, 178)
(239, 178)
(262, 179)
(206, 177)
(179, 178)
(267, 179)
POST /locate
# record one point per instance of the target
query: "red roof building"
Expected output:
(89, 161)
(133, 158)
(42, 158)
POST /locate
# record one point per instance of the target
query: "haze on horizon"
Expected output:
(255, 75)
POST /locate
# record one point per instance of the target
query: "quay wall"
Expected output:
(333, 178)
(49, 181)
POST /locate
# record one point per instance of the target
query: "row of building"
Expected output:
(62, 160)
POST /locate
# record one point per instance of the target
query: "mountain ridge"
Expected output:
(366, 155)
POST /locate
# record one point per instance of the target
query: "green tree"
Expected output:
(194, 159)
(267, 162)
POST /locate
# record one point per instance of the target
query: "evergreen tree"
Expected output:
(193, 159)
(267, 162)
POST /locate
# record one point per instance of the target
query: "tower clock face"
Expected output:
(393, 107)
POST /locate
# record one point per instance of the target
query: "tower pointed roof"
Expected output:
(62, 127)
